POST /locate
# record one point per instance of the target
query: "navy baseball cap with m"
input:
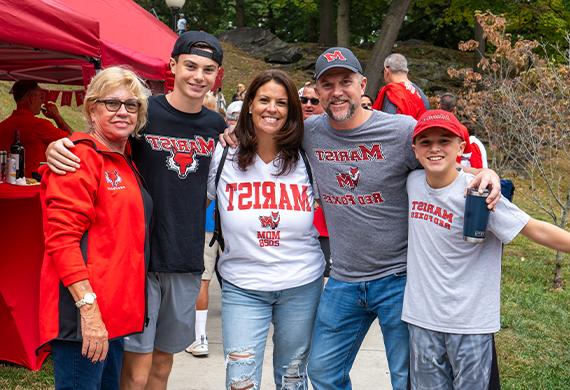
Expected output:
(187, 42)
(337, 57)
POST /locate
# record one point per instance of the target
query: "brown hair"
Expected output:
(289, 138)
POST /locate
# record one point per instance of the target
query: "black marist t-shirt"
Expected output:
(173, 156)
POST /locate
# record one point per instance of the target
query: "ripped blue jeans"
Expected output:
(246, 315)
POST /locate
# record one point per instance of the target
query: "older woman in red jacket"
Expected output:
(96, 228)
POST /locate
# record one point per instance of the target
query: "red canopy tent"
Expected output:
(45, 41)
(129, 35)
(56, 41)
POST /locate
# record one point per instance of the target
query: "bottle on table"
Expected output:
(3, 166)
(17, 153)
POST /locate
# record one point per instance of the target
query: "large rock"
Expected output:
(262, 44)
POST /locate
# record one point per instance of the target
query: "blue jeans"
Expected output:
(246, 315)
(73, 371)
(345, 313)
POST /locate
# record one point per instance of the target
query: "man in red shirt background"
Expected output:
(400, 95)
(35, 133)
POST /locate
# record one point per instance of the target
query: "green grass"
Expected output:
(534, 344)
(18, 378)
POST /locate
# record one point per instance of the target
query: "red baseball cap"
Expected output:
(442, 119)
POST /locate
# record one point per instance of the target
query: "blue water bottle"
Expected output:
(476, 216)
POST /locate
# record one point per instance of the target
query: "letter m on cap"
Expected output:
(335, 55)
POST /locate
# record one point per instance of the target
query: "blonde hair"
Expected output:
(210, 101)
(112, 78)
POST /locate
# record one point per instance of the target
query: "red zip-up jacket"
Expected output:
(96, 227)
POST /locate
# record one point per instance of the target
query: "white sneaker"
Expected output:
(199, 347)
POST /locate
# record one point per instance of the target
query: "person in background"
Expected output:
(93, 293)
(366, 102)
(35, 133)
(232, 113)
(220, 101)
(310, 102)
(474, 155)
(272, 265)
(181, 24)
(200, 345)
(400, 95)
(210, 102)
(240, 92)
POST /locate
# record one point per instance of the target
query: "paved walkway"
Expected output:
(370, 370)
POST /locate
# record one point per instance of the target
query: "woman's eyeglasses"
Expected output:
(113, 105)
(305, 100)
(366, 106)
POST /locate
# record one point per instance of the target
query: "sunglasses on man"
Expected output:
(233, 116)
(305, 100)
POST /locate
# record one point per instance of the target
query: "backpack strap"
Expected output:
(217, 234)
(306, 161)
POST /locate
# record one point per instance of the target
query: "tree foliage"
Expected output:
(520, 101)
(445, 22)
(442, 22)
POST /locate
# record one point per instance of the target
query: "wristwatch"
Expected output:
(88, 299)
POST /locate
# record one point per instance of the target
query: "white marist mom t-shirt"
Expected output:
(267, 224)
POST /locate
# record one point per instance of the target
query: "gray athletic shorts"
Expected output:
(210, 254)
(171, 313)
(449, 361)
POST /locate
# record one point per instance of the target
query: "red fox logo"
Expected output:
(113, 178)
(270, 221)
(350, 179)
(335, 55)
(182, 163)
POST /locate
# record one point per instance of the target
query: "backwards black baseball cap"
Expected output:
(336, 57)
(185, 44)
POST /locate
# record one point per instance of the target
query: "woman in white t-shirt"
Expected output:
(272, 264)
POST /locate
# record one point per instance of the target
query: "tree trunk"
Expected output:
(480, 38)
(388, 34)
(343, 23)
(240, 13)
(558, 282)
(326, 17)
(271, 19)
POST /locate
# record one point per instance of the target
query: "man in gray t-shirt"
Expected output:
(361, 160)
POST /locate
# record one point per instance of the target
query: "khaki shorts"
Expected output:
(210, 254)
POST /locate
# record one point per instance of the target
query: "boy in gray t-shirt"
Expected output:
(452, 295)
